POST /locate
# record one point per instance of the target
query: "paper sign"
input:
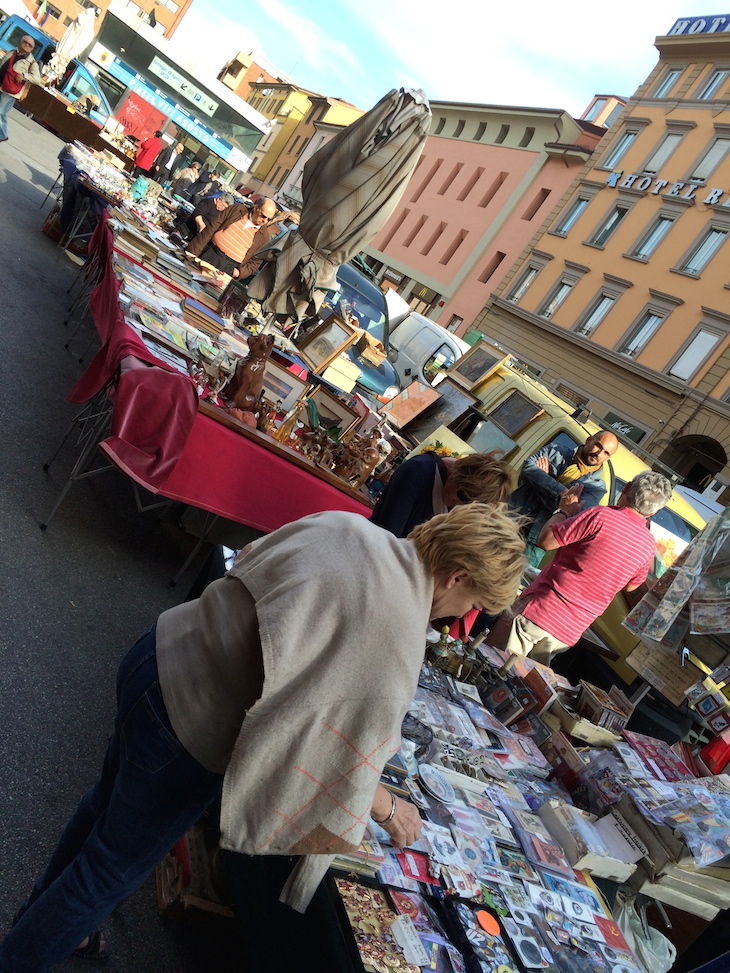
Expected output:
(661, 668)
(407, 938)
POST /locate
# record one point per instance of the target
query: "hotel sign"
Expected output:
(711, 24)
(653, 186)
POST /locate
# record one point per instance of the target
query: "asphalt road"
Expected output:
(74, 597)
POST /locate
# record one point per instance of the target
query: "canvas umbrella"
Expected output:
(76, 38)
(350, 188)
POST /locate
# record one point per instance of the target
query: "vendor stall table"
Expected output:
(174, 446)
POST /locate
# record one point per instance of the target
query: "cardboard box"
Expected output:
(590, 844)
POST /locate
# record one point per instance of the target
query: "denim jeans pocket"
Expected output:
(146, 742)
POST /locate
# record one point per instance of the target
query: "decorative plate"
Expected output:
(435, 784)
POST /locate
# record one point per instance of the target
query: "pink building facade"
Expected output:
(489, 177)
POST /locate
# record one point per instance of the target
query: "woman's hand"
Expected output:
(405, 826)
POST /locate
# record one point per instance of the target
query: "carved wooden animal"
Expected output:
(369, 460)
(248, 379)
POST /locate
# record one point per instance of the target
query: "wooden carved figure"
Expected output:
(245, 387)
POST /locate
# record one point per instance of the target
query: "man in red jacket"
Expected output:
(147, 154)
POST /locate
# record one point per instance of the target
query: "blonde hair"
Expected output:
(482, 477)
(482, 539)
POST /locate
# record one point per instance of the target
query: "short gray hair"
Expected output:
(228, 198)
(648, 492)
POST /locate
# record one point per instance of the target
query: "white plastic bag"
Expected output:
(655, 952)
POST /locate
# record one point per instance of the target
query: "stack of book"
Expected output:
(203, 317)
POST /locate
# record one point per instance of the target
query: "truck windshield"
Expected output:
(671, 532)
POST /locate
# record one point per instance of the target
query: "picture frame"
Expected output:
(514, 413)
(327, 342)
(452, 402)
(477, 364)
(409, 403)
(281, 384)
(333, 411)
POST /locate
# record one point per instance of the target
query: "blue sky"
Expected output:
(533, 54)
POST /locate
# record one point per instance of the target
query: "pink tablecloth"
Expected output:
(161, 441)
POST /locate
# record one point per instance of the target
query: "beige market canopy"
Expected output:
(350, 188)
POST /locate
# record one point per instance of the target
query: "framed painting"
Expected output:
(333, 411)
(514, 413)
(328, 340)
(452, 402)
(409, 403)
(477, 364)
(281, 384)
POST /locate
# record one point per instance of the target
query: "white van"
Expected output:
(421, 349)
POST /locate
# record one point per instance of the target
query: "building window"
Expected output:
(619, 149)
(609, 226)
(571, 217)
(432, 240)
(665, 148)
(713, 84)
(503, 133)
(439, 126)
(454, 323)
(302, 147)
(446, 185)
(556, 298)
(294, 143)
(648, 325)
(711, 159)
(651, 240)
(527, 137)
(701, 254)
(491, 267)
(595, 110)
(273, 178)
(536, 203)
(667, 82)
(493, 189)
(471, 183)
(283, 179)
(481, 129)
(595, 315)
(459, 128)
(522, 284)
(694, 355)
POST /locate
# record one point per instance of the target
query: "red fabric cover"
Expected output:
(154, 412)
(228, 474)
(161, 441)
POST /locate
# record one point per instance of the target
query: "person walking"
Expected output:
(600, 552)
(18, 70)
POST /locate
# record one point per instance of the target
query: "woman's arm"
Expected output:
(399, 818)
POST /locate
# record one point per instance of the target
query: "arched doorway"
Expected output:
(698, 459)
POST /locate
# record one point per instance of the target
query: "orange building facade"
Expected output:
(622, 301)
(247, 69)
(55, 17)
(487, 178)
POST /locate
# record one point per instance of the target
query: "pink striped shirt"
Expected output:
(601, 551)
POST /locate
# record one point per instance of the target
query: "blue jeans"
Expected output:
(6, 103)
(149, 793)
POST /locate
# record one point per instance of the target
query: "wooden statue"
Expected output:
(245, 387)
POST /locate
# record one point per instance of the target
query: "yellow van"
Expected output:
(520, 415)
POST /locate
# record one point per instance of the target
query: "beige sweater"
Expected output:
(343, 608)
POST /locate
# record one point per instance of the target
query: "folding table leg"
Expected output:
(210, 521)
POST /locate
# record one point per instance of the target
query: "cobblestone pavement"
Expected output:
(75, 597)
